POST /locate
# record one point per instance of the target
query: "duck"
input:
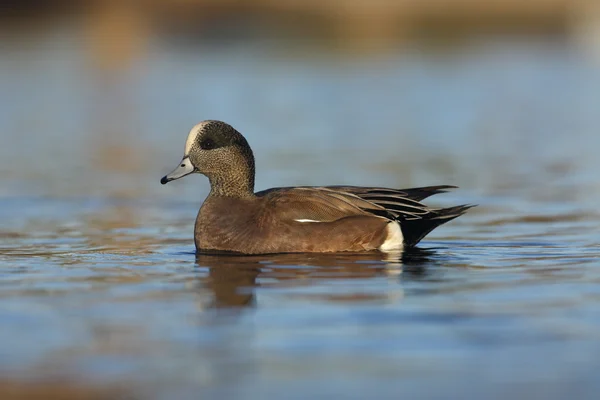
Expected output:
(302, 219)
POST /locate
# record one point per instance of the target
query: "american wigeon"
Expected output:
(234, 218)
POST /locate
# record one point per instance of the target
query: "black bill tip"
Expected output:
(164, 180)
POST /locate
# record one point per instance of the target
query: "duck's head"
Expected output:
(217, 150)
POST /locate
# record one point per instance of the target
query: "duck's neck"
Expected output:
(237, 181)
(231, 187)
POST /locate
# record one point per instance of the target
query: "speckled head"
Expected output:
(220, 152)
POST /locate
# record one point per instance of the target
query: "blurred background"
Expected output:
(499, 97)
(100, 95)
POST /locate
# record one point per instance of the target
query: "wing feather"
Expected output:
(315, 203)
(330, 203)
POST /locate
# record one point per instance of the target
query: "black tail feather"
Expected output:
(422, 193)
(416, 229)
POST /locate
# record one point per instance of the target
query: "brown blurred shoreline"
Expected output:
(356, 22)
(118, 30)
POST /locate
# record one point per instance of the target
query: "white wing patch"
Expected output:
(394, 240)
(306, 220)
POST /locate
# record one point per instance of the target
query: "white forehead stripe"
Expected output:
(191, 139)
(306, 220)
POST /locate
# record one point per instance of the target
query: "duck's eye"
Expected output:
(207, 144)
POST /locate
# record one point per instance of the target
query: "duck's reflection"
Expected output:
(233, 279)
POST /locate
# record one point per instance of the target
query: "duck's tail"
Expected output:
(416, 229)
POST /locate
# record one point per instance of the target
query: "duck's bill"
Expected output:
(185, 168)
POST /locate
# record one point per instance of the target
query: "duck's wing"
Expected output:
(317, 204)
(330, 203)
(417, 194)
(401, 204)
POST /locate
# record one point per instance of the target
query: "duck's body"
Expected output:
(265, 230)
(296, 219)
